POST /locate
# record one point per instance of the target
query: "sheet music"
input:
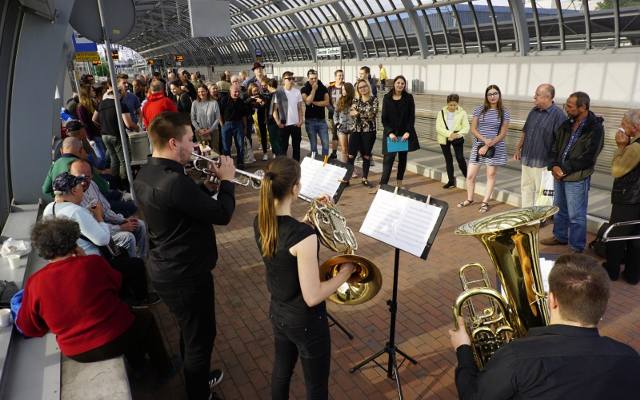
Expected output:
(317, 179)
(545, 269)
(400, 221)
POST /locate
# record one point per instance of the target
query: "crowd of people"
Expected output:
(97, 244)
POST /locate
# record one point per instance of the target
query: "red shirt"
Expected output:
(77, 299)
(155, 104)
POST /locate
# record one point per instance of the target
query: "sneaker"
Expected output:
(449, 185)
(151, 299)
(265, 157)
(215, 377)
(551, 241)
(333, 155)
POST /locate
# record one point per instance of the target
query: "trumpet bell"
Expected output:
(363, 285)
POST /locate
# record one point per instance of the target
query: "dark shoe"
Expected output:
(632, 280)
(365, 182)
(551, 241)
(215, 377)
(576, 251)
(151, 299)
(449, 185)
(333, 155)
(613, 274)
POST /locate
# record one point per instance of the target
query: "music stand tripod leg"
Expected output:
(340, 326)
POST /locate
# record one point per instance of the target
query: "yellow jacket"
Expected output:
(460, 124)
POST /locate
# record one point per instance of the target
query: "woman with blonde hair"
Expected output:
(298, 312)
(364, 111)
(342, 120)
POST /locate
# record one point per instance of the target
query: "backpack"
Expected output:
(597, 245)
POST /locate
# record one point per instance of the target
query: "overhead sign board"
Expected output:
(329, 51)
(89, 56)
(115, 55)
(151, 61)
(83, 45)
(179, 58)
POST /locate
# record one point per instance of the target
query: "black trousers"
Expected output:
(143, 337)
(624, 252)
(296, 137)
(134, 277)
(262, 125)
(361, 142)
(192, 304)
(462, 163)
(387, 165)
(311, 342)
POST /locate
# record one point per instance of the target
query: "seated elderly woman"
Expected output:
(75, 296)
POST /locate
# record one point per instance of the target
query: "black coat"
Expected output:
(399, 117)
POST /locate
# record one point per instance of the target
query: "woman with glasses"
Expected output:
(489, 128)
(364, 111)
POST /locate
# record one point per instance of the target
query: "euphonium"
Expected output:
(511, 239)
(334, 233)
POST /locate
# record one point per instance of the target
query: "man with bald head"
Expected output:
(233, 114)
(534, 147)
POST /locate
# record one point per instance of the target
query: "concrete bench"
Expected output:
(99, 380)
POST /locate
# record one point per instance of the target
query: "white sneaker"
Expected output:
(265, 157)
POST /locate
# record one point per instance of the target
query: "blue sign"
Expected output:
(82, 44)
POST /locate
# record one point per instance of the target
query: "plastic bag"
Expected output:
(545, 196)
(248, 152)
(12, 247)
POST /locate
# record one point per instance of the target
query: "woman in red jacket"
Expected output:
(75, 297)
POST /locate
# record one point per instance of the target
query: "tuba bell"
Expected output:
(334, 234)
(511, 239)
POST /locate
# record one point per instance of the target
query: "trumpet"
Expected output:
(243, 178)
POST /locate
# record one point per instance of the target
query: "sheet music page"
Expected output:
(317, 180)
(401, 222)
(545, 269)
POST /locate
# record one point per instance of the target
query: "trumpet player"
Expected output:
(179, 217)
(298, 312)
(568, 359)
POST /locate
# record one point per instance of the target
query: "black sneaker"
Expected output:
(449, 185)
(333, 155)
(215, 377)
(151, 299)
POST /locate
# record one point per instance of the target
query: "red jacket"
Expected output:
(77, 299)
(155, 104)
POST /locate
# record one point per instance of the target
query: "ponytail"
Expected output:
(267, 219)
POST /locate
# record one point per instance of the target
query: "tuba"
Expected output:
(334, 234)
(511, 239)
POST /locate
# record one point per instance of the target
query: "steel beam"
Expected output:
(418, 28)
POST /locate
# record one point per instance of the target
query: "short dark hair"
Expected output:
(366, 69)
(581, 287)
(223, 76)
(286, 74)
(337, 71)
(312, 72)
(273, 83)
(55, 237)
(582, 99)
(176, 83)
(168, 125)
(453, 97)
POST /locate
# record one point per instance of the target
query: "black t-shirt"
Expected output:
(109, 117)
(282, 273)
(311, 110)
(233, 109)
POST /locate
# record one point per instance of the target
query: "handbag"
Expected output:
(7, 290)
(545, 196)
(489, 154)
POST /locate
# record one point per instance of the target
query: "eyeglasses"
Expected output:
(288, 78)
(492, 94)
(363, 87)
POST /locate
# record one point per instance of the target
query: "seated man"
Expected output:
(75, 297)
(568, 359)
(129, 233)
(94, 232)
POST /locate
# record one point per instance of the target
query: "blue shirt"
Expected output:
(572, 140)
(539, 130)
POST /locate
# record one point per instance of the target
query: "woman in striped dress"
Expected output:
(489, 128)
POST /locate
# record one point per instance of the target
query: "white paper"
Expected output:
(317, 179)
(400, 221)
(545, 269)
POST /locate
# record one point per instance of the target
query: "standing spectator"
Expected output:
(130, 99)
(316, 98)
(288, 114)
(398, 121)
(214, 92)
(536, 140)
(364, 111)
(223, 84)
(180, 97)
(342, 119)
(234, 124)
(489, 128)
(85, 110)
(205, 118)
(187, 86)
(180, 217)
(258, 74)
(625, 198)
(335, 91)
(156, 103)
(365, 73)
(256, 104)
(108, 118)
(383, 76)
(576, 147)
(452, 123)
(139, 89)
(274, 131)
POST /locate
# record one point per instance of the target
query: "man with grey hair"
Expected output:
(535, 142)
(625, 200)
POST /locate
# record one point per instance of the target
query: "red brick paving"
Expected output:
(427, 289)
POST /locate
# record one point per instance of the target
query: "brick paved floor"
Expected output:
(427, 289)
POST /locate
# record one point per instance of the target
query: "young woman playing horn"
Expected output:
(298, 313)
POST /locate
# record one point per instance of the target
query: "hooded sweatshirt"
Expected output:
(155, 104)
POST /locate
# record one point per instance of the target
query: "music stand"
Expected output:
(316, 180)
(376, 227)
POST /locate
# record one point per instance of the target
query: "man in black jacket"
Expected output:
(576, 147)
(182, 244)
(568, 359)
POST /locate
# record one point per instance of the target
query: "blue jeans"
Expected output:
(233, 130)
(570, 223)
(317, 127)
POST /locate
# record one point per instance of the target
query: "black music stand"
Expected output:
(390, 347)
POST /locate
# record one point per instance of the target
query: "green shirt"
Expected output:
(62, 165)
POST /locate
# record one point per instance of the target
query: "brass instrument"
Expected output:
(334, 233)
(511, 239)
(242, 178)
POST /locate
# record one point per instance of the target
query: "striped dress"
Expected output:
(488, 126)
